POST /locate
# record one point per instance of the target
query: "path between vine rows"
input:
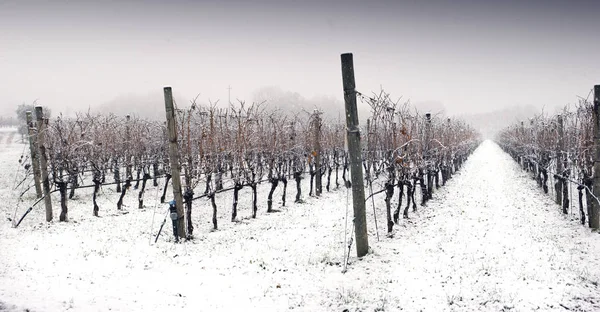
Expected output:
(489, 240)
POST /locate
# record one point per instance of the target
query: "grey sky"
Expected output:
(467, 55)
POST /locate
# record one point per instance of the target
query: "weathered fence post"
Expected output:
(522, 136)
(174, 160)
(41, 145)
(368, 154)
(317, 148)
(428, 155)
(594, 217)
(354, 149)
(559, 164)
(35, 162)
(128, 169)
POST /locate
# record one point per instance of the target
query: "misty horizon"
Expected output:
(469, 57)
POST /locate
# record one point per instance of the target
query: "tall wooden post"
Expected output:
(427, 155)
(128, 169)
(369, 155)
(522, 136)
(174, 160)
(594, 217)
(354, 149)
(35, 162)
(559, 162)
(317, 148)
(41, 141)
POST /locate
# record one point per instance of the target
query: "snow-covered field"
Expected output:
(489, 240)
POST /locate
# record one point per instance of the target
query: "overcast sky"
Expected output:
(468, 55)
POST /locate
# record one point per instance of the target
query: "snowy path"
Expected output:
(489, 240)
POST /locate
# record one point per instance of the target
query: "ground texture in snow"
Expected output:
(489, 240)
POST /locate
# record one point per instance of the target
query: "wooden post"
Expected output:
(128, 169)
(354, 149)
(523, 150)
(428, 156)
(559, 163)
(35, 162)
(317, 148)
(594, 217)
(174, 160)
(39, 113)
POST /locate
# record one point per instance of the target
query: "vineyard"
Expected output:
(244, 146)
(560, 153)
(247, 206)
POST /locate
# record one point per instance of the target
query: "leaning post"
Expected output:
(174, 160)
(559, 162)
(594, 217)
(354, 149)
(35, 162)
(41, 145)
(317, 149)
(428, 156)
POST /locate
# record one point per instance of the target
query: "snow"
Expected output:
(489, 240)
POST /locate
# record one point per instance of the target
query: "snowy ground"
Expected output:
(490, 240)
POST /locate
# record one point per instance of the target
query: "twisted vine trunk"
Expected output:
(444, 175)
(274, 182)
(329, 170)
(400, 195)
(141, 193)
(412, 195)
(164, 194)
(74, 182)
(409, 195)
(188, 198)
(429, 184)
(214, 206)
(389, 192)
(236, 188)
(297, 177)
(558, 189)
(137, 178)
(312, 172)
(123, 191)
(284, 180)
(219, 177)
(254, 200)
(208, 182)
(424, 192)
(581, 212)
(62, 187)
(565, 195)
(319, 189)
(117, 175)
(337, 167)
(97, 184)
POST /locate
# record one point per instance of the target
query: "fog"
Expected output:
(463, 57)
